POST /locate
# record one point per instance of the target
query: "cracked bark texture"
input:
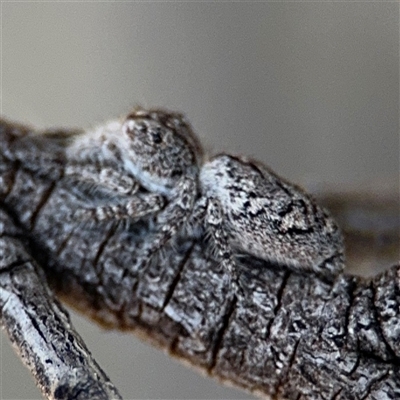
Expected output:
(40, 329)
(292, 336)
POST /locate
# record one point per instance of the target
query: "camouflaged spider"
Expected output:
(241, 204)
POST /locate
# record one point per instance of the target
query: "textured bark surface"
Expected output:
(290, 337)
(40, 329)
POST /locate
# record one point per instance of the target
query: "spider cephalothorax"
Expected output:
(159, 149)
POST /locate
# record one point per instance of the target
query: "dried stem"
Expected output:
(291, 336)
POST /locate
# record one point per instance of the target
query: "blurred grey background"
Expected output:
(312, 89)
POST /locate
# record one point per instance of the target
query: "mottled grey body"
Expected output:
(268, 217)
(241, 204)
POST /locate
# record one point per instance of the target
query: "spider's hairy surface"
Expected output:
(154, 146)
(270, 218)
(243, 206)
(160, 148)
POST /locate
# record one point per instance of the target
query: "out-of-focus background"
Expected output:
(312, 89)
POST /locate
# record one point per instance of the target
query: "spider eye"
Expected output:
(176, 173)
(156, 136)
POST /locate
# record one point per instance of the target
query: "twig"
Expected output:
(40, 329)
(292, 336)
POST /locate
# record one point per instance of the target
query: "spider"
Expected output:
(241, 204)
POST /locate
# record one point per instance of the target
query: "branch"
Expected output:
(292, 336)
(40, 329)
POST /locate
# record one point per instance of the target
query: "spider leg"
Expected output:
(135, 208)
(195, 223)
(220, 239)
(170, 220)
(110, 180)
(122, 201)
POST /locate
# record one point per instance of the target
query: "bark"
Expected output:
(40, 329)
(290, 336)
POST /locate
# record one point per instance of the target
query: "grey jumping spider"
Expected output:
(241, 204)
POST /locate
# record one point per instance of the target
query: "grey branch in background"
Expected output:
(292, 336)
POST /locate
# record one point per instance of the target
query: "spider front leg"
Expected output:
(135, 208)
(110, 180)
(121, 190)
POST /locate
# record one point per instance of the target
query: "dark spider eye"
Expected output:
(176, 174)
(156, 136)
